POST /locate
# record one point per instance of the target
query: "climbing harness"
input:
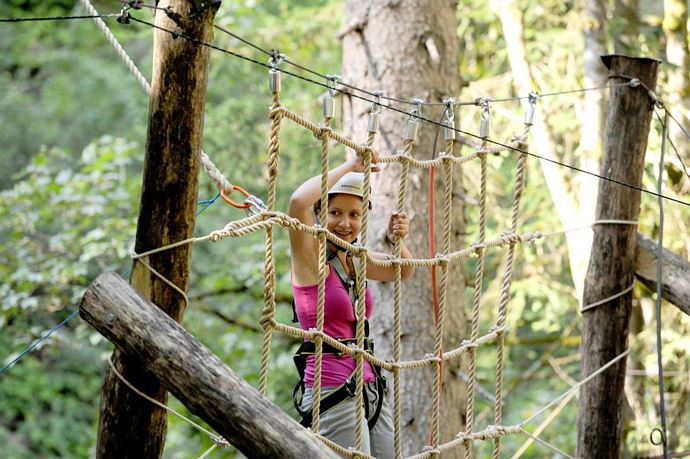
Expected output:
(307, 348)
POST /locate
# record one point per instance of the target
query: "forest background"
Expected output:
(72, 130)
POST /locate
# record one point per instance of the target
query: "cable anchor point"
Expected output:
(485, 120)
(532, 98)
(449, 121)
(374, 113)
(124, 17)
(329, 100)
(412, 125)
(274, 61)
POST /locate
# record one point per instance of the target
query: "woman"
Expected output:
(337, 415)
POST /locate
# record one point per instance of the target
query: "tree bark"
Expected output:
(191, 372)
(675, 272)
(611, 267)
(407, 50)
(130, 427)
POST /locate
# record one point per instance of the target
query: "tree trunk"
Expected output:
(199, 379)
(612, 263)
(130, 427)
(407, 50)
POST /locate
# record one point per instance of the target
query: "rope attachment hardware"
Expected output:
(274, 61)
(375, 113)
(226, 197)
(485, 120)
(412, 125)
(449, 121)
(532, 98)
(329, 100)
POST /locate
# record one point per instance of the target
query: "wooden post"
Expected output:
(612, 264)
(130, 427)
(191, 372)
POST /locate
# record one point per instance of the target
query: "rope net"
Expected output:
(269, 217)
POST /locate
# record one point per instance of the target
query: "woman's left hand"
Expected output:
(398, 226)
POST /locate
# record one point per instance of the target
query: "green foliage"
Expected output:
(67, 216)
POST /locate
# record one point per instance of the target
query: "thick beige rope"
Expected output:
(443, 291)
(505, 289)
(476, 303)
(269, 310)
(322, 274)
(397, 303)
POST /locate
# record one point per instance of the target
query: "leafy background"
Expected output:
(72, 130)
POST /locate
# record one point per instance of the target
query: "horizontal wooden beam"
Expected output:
(675, 286)
(193, 374)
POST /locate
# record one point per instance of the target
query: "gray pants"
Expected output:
(338, 423)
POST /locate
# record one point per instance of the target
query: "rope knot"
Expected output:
(267, 322)
(469, 344)
(366, 151)
(442, 259)
(216, 236)
(477, 247)
(322, 130)
(276, 112)
(431, 450)
(497, 329)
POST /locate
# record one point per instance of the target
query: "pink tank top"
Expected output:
(339, 322)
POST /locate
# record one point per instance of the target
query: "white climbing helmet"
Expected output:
(350, 183)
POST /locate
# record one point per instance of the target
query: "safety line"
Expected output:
(419, 117)
(39, 341)
(659, 275)
(390, 107)
(393, 99)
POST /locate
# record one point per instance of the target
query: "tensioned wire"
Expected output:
(390, 107)
(421, 118)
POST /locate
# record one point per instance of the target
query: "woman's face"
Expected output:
(344, 216)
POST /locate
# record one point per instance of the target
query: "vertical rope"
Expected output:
(505, 293)
(268, 312)
(476, 302)
(323, 273)
(397, 302)
(443, 290)
(361, 298)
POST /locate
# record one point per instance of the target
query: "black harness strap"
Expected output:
(346, 390)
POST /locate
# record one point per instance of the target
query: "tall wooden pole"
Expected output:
(129, 426)
(612, 264)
